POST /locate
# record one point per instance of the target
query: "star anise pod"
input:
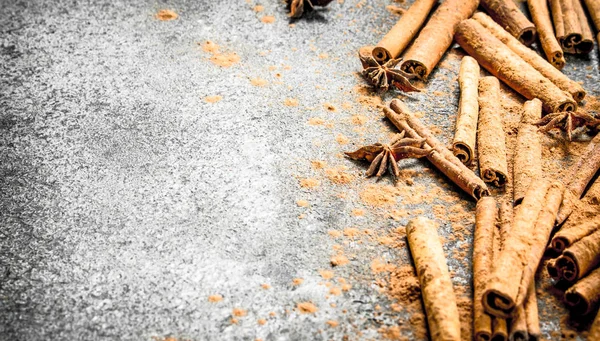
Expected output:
(567, 121)
(384, 157)
(298, 7)
(382, 76)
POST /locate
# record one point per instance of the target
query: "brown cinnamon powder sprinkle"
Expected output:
(258, 8)
(309, 183)
(239, 312)
(265, 286)
(296, 281)
(213, 99)
(338, 175)
(379, 196)
(339, 260)
(262, 322)
(332, 323)
(291, 102)
(165, 15)
(342, 139)
(315, 121)
(258, 81)
(268, 19)
(215, 298)
(326, 274)
(307, 308)
(302, 203)
(225, 59)
(210, 47)
(334, 233)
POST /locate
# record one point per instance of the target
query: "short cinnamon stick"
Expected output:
(463, 145)
(403, 32)
(527, 160)
(531, 57)
(434, 278)
(503, 63)
(583, 297)
(483, 253)
(571, 232)
(491, 144)
(440, 157)
(540, 14)
(436, 37)
(580, 258)
(507, 14)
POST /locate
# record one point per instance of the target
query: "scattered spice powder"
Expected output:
(215, 298)
(268, 19)
(295, 281)
(330, 107)
(332, 323)
(318, 164)
(307, 308)
(358, 212)
(335, 291)
(334, 233)
(338, 175)
(166, 15)
(210, 47)
(326, 274)
(309, 183)
(265, 286)
(315, 121)
(291, 102)
(323, 56)
(262, 322)
(395, 9)
(339, 260)
(238, 312)
(379, 195)
(341, 139)
(225, 59)
(302, 203)
(258, 8)
(258, 81)
(359, 119)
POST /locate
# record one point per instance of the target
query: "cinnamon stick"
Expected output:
(518, 260)
(503, 63)
(491, 144)
(573, 232)
(594, 333)
(578, 177)
(527, 161)
(580, 258)
(593, 7)
(531, 57)
(483, 253)
(434, 278)
(571, 26)
(440, 157)
(532, 315)
(507, 14)
(587, 37)
(518, 325)
(540, 14)
(436, 37)
(583, 297)
(403, 32)
(505, 213)
(463, 145)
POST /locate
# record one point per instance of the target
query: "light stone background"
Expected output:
(126, 199)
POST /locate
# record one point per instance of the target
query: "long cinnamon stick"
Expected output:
(510, 17)
(532, 315)
(573, 232)
(531, 57)
(578, 177)
(491, 144)
(518, 325)
(440, 157)
(403, 32)
(580, 258)
(571, 26)
(527, 161)
(483, 253)
(436, 37)
(518, 260)
(584, 296)
(503, 63)
(434, 278)
(540, 14)
(505, 213)
(593, 7)
(587, 37)
(463, 145)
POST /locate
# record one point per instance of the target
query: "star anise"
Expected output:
(567, 121)
(298, 7)
(382, 76)
(384, 157)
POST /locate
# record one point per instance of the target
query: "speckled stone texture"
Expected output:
(126, 199)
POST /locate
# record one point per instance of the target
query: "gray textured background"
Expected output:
(126, 199)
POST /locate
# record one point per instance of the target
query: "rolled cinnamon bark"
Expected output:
(463, 145)
(531, 314)
(436, 37)
(594, 333)
(572, 232)
(503, 63)
(436, 286)
(403, 32)
(491, 144)
(540, 15)
(483, 253)
(587, 37)
(505, 213)
(578, 176)
(583, 297)
(552, 270)
(500, 329)
(518, 325)
(516, 264)
(530, 56)
(440, 157)
(507, 14)
(580, 258)
(593, 7)
(571, 26)
(527, 160)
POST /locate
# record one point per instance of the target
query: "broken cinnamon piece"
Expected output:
(580, 258)
(483, 253)
(403, 32)
(463, 145)
(583, 296)
(503, 63)
(491, 144)
(540, 14)
(518, 260)
(440, 156)
(436, 287)
(578, 177)
(571, 232)
(518, 325)
(531, 314)
(508, 15)
(436, 37)
(527, 160)
(531, 57)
